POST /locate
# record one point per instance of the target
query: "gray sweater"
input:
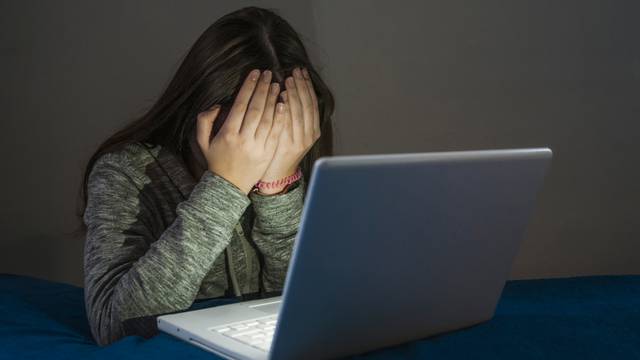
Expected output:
(157, 240)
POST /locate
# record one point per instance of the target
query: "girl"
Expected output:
(174, 204)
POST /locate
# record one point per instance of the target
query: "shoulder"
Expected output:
(130, 161)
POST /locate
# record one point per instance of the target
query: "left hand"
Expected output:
(301, 128)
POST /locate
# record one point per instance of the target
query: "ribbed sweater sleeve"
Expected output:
(129, 274)
(274, 230)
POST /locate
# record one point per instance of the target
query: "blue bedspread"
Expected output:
(594, 317)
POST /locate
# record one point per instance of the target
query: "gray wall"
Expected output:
(424, 76)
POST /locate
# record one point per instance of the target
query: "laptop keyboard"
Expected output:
(255, 332)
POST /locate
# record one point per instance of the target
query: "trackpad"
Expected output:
(268, 308)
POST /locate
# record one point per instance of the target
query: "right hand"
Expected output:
(243, 148)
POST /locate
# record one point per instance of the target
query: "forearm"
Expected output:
(274, 231)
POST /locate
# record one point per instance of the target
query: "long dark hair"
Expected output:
(211, 73)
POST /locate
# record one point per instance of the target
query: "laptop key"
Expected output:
(257, 333)
(242, 333)
(264, 346)
(244, 338)
(268, 320)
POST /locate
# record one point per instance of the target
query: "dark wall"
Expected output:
(457, 75)
(417, 76)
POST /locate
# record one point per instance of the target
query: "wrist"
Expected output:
(270, 191)
(279, 185)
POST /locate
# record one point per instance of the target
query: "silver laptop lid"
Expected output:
(396, 247)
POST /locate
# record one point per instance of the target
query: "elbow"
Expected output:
(104, 334)
(103, 339)
(104, 326)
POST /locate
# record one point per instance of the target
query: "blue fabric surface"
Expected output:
(594, 317)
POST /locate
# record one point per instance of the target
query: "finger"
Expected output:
(253, 116)
(305, 101)
(278, 125)
(204, 125)
(314, 100)
(269, 112)
(295, 109)
(288, 123)
(240, 103)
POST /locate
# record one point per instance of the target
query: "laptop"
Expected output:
(391, 248)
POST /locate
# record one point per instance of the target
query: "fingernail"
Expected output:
(280, 107)
(289, 81)
(296, 73)
(266, 76)
(254, 74)
(274, 87)
(305, 73)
